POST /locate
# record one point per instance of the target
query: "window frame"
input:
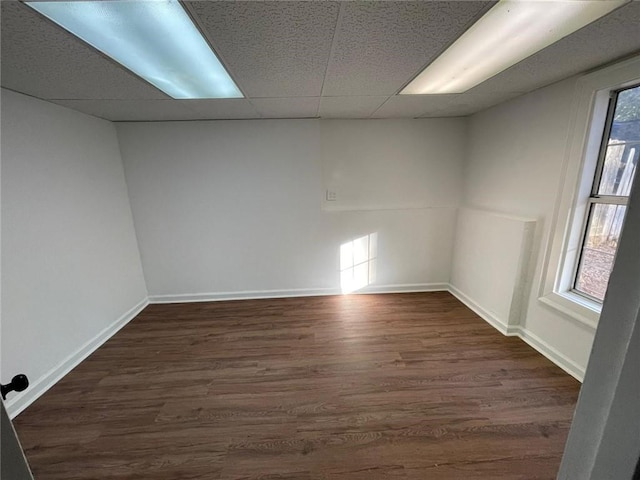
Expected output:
(596, 198)
(587, 121)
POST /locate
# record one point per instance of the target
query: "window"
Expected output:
(607, 203)
(599, 164)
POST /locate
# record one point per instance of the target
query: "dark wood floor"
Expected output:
(404, 386)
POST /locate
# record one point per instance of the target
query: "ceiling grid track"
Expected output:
(301, 59)
(331, 51)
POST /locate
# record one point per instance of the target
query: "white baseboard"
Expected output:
(244, 295)
(487, 316)
(528, 337)
(565, 363)
(298, 292)
(20, 401)
(405, 288)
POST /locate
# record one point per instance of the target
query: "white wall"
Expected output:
(236, 208)
(495, 247)
(70, 263)
(393, 163)
(604, 441)
(515, 166)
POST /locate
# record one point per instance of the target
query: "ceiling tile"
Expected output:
(272, 49)
(462, 104)
(42, 60)
(300, 107)
(280, 52)
(134, 110)
(224, 109)
(349, 107)
(615, 36)
(380, 46)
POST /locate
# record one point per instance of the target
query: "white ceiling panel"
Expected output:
(380, 46)
(615, 36)
(403, 106)
(349, 107)
(300, 107)
(42, 60)
(272, 49)
(134, 110)
(224, 108)
(300, 59)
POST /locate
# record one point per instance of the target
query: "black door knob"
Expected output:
(18, 383)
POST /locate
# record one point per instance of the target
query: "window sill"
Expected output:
(577, 307)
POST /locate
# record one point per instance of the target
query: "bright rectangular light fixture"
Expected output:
(155, 39)
(509, 32)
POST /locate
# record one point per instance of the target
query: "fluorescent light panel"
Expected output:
(155, 39)
(508, 33)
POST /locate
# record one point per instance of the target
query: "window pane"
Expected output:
(627, 115)
(598, 254)
(623, 145)
(619, 166)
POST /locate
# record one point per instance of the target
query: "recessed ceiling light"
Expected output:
(155, 39)
(508, 33)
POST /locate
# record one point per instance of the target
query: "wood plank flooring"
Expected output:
(400, 386)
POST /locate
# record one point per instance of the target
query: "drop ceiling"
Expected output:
(301, 59)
